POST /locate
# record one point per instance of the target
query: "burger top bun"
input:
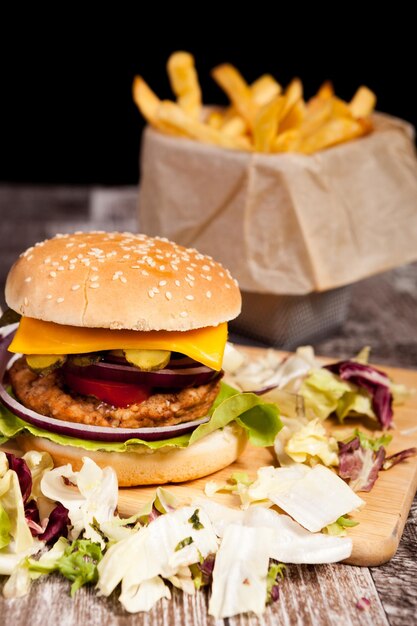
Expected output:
(121, 280)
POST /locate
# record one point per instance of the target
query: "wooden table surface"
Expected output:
(383, 314)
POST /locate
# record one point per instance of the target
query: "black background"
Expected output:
(66, 110)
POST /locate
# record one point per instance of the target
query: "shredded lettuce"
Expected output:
(311, 444)
(338, 528)
(5, 527)
(260, 420)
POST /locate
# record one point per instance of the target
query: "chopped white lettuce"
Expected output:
(142, 597)
(269, 369)
(94, 499)
(311, 444)
(317, 499)
(271, 480)
(12, 503)
(9, 559)
(167, 544)
(292, 543)
(233, 359)
(38, 463)
(240, 571)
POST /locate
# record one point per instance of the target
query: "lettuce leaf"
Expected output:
(261, 421)
(5, 527)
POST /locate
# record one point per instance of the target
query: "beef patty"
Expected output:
(49, 396)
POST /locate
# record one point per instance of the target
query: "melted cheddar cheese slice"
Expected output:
(205, 345)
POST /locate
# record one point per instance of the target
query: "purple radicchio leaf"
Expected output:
(274, 593)
(375, 382)
(358, 465)
(32, 518)
(207, 567)
(398, 457)
(363, 604)
(57, 525)
(24, 476)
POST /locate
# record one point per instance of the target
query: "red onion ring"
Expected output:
(166, 378)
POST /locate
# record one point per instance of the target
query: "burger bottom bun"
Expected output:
(152, 467)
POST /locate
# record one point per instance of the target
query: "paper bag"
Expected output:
(287, 223)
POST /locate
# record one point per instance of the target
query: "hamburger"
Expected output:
(118, 356)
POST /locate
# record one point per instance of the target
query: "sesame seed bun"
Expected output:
(153, 467)
(121, 281)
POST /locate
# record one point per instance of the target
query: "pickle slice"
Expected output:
(83, 360)
(148, 360)
(43, 364)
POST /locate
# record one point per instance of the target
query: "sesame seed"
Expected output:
(65, 257)
(162, 283)
(168, 295)
(95, 269)
(52, 274)
(178, 283)
(189, 297)
(184, 314)
(69, 245)
(135, 267)
(155, 289)
(82, 245)
(208, 294)
(25, 301)
(59, 300)
(151, 293)
(30, 257)
(94, 278)
(209, 278)
(123, 279)
(206, 268)
(55, 263)
(28, 279)
(174, 267)
(75, 287)
(115, 276)
(94, 285)
(145, 273)
(60, 268)
(47, 260)
(227, 286)
(72, 267)
(80, 256)
(126, 256)
(73, 260)
(49, 297)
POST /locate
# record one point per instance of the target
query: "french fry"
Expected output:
(295, 117)
(264, 89)
(235, 126)
(326, 91)
(215, 119)
(266, 124)
(145, 99)
(363, 103)
(292, 95)
(184, 82)
(287, 141)
(333, 132)
(260, 116)
(171, 114)
(238, 91)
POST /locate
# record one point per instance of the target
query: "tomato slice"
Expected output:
(114, 393)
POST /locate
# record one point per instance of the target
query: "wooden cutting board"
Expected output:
(382, 520)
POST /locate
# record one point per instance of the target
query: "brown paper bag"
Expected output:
(287, 223)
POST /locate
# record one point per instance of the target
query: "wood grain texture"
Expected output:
(382, 315)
